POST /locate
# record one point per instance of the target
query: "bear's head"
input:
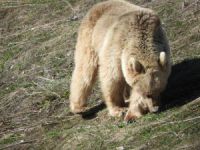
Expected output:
(146, 84)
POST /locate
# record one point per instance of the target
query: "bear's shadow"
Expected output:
(184, 84)
(183, 87)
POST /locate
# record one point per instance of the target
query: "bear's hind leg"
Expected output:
(83, 78)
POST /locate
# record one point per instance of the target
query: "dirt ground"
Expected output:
(37, 41)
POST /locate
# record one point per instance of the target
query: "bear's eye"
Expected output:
(149, 96)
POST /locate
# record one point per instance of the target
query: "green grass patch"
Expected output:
(54, 134)
(9, 53)
(8, 139)
(66, 94)
(42, 37)
(14, 86)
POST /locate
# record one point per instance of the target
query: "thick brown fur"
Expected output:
(127, 46)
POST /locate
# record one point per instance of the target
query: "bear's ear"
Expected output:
(163, 59)
(135, 66)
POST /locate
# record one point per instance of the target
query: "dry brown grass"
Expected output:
(37, 40)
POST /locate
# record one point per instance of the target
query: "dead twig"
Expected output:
(70, 5)
(18, 143)
(45, 89)
(191, 5)
(173, 122)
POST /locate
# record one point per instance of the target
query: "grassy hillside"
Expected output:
(37, 40)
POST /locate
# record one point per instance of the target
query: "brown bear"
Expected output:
(126, 45)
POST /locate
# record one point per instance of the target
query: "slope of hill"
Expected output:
(37, 40)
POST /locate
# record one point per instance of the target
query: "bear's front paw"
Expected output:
(117, 112)
(77, 108)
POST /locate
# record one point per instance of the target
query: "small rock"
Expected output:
(74, 18)
(21, 141)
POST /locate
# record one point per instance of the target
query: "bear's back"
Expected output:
(121, 14)
(103, 15)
